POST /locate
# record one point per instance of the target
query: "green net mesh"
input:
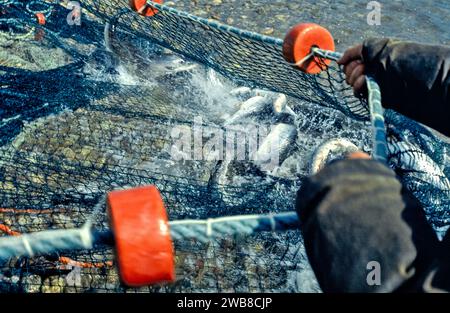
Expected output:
(87, 109)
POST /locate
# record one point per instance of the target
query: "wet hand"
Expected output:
(354, 70)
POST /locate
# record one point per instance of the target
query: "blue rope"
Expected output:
(205, 230)
(379, 140)
(37, 6)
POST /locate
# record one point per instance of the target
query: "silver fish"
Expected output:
(280, 106)
(159, 62)
(275, 148)
(241, 92)
(177, 65)
(252, 106)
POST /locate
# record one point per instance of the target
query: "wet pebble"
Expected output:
(31, 283)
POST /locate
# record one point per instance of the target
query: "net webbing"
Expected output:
(247, 57)
(72, 129)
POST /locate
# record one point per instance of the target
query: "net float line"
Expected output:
(64, 260)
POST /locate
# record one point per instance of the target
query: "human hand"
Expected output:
(354, 70)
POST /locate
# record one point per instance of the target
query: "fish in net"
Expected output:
(92, 108)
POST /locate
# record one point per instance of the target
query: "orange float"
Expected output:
(40, 33)
(143, 8)
(144, 247)
(300, 40)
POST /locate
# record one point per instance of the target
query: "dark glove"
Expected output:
(356, 212)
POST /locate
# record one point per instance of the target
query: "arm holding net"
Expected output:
(379, 140)
(86, 238)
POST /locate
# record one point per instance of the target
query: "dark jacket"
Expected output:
(414, 79)
(356, 215)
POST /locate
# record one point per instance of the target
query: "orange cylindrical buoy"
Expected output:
(144, 247)
(143, 8)
(301, 39)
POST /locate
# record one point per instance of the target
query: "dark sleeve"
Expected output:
(356, 212)
(414, 79)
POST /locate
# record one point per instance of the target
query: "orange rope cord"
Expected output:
(65, 260)
(69, 261)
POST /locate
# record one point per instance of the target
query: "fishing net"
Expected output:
(91, 108)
